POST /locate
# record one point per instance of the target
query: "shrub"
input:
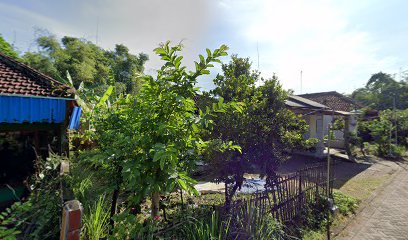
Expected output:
(346, 204)
(38, 217)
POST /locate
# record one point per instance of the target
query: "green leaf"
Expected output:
(162, 162)
(160, 51)
(182, 184)
(70, 79)
(194, 191)
(105, 96)
(197, 66)
(208, 52)
(205, 71)
(202, 59)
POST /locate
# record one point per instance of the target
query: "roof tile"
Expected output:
(334, 100)
(18, 78)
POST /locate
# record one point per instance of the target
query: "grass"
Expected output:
(96, 221)
(362, 188)
(347, 206)
(314, 235)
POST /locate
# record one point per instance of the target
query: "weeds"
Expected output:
(96, 221)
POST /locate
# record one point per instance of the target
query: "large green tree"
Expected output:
(381, 91)
(265, 130)
(88, 63)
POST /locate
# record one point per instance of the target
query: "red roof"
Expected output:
(334, 100)
(19, 79)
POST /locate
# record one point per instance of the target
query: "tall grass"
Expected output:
(245, 222)
(255, 222)
(96, 221)
(212, 228)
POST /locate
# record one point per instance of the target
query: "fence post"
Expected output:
(71, 220)
(300, 191)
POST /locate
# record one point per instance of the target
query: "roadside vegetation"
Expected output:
(133, 160)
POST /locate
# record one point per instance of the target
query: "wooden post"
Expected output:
(328, 180)
(71, 220)
(37, 143)
(300, 192)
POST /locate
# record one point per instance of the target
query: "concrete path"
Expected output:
(386, 216)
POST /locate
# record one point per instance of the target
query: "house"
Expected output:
(343, 106)
(319, 115)
(34, 114)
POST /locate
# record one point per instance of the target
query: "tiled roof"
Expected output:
(19, 79)
(334, 100)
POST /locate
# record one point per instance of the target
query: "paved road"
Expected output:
(386, 217)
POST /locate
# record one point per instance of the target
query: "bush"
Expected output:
(347, 205)
(382, 133)
(39, 216)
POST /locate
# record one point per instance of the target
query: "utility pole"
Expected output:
(328, 181)
(301, 81)
(395, 120)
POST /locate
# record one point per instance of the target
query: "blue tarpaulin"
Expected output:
(75, 118)
(16, 109)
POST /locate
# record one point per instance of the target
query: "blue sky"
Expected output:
(337, 44)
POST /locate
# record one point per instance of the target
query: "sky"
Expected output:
(311, 46)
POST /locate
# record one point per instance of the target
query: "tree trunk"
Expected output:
(230, 194)
(347, 137)
(115, 197)
(155, 206)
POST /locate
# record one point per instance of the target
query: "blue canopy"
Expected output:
(19, 109)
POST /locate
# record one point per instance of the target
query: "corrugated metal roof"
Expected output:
(305, 103)
(31, 110)
(293, 104)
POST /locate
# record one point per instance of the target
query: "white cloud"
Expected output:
(319, 37)
(316, 37)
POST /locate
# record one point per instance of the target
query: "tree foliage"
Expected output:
(7, 49)
(86, 62)
(388, 133)
(148, 142)
(265, 130)
(380, 92)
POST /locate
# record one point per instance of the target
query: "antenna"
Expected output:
(301, 81)
(257, 50)
(97, 29)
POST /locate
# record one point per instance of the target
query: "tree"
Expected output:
(381, 91)
(87, 63)
(153, 137)
(126, 66)
(7, 49)
(265, 130)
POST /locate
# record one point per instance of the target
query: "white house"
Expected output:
(321, 109)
